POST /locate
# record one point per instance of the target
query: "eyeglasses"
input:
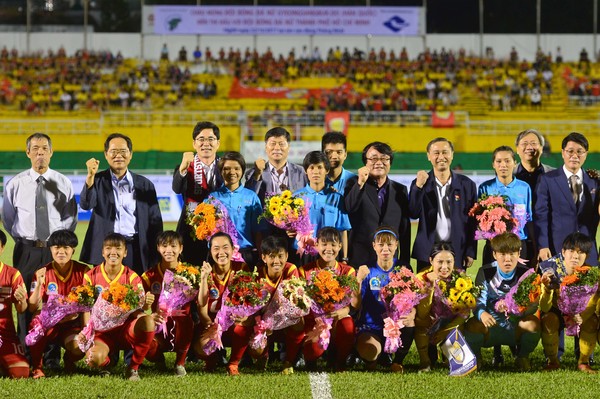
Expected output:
(280, 144)
(209, 140)
(579, 153)
(115, 153)
(383, 160)
(526, 144)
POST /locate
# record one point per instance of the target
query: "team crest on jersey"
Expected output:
(99, 289)
(33, 285)
(213, 293)
(375, 284)
(52, 288)
(156, 287)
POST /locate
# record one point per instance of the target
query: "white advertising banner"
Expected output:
(265, 20)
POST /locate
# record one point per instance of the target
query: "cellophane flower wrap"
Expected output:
(57, 307)
(329, 292)
(289, 303)
(494, 216)
(243, 297)
(112, 309)
(452, 297)
(180, 286)
(290, 213)
(210, 217)
(403, 292)
(575, 292)
(523, 298)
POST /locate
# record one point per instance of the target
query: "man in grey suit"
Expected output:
(276, 174)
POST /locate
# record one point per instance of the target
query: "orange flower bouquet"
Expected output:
(524, 297)
(574, 294)
(112, 308)
(80, 299)
(329, 292)
(179, 287)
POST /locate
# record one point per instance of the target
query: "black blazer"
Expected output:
(100, 199)
(423, 204)
(365, 216)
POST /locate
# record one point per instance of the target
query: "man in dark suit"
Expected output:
(567, 201)
(372, 200)
(121, 202)
(276, 174)
(441, 200)
(194, 179)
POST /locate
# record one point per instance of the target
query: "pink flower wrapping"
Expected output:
(104, 316)
(53, 311)
(321, 332)
(573, 300)
(176, 292)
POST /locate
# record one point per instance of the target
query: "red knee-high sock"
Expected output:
(18, 372)
(293, 341)
(239, 337)
(311, 350)
(37, 353)
(344, 339)
(154, 351)
(184, 331)
(140, 348)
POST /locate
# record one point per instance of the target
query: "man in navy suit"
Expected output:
(277, 174)
(441, 200)
(372, 200)
(121, 202)
(567, 201)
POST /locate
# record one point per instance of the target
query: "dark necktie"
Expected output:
(42, 227)
(204, 180)
(575, 188)
(445, 202)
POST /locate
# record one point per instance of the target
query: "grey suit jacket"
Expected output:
(296, 180)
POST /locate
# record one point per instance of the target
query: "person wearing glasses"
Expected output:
(441, 200)
(276, 174)
(567, 201)
(530, 146)
(372, 200)
(121, 202)
(196, 177)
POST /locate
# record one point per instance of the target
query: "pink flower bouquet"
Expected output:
(179, 288)
(494, 216)
(576, 290)
(403, 292)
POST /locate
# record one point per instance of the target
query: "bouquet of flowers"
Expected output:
(290, 213)
(289, 304)
(211, 217)
(80, 299)
(524, 297)
(180, 286)
(112, 308)
(453, 297)
(494, 216)
(243, 297)
(575, 292)
(402, 293)
(329, 292)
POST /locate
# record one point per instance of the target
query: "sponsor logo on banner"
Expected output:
(396, 24)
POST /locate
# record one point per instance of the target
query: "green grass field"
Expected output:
(504, 382)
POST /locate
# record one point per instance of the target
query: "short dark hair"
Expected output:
(314, 158)
(169, 237)
(576, 138)
(117, 136)
(385, 234)
(38, 136)
(278, 132)
(232, 156)
(63, 238)
(524, 133)
(504, 148)
(272, 245)
(329, 234)
(333, 138)
(439, 140)
(506, 243)
(220, 234)
(114, 239)
(3, 238)
(380, 147)
(200, 126)
(578, 241)
(441, 246)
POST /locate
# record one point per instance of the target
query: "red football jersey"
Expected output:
(289, 270)
(152, 280)
(100, 280)
(341, 269)
(57, 284)
(216, 289)
(10, 280)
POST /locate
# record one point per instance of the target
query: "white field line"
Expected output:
(319, 386)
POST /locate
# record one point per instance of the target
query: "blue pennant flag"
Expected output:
(460, 356)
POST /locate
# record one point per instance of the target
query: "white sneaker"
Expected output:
(180, 370)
